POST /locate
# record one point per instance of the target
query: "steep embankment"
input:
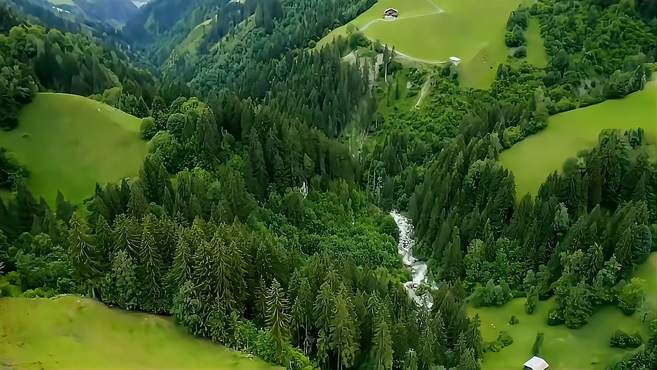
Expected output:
(70, 143)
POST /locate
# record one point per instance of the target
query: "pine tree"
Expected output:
(82, 252)
(151, 267)
(453, 260)
(137, 204)
(302, 312)
(277, 318)
(154, 178)
(467, 361)
(122, 282)
(127, 234)
(410, 362)
(323, 307)
(64, 209)
(257, 169)
(343, 331)
(381, 343)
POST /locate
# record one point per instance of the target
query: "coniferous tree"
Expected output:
(277, 318)
(381, 343)
(343, 331)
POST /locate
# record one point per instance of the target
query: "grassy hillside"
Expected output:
(71, 332)
(570, 132)
(536, 53)
(434, 30)
(69, 142)
(563, 348)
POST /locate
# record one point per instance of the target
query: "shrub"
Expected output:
(554, 318)
(538, 343)
(520, 52)
(620, 339)
(148, 128)
(631, 296)
(514, 320)
(504, 339)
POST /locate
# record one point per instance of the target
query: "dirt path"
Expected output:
(426, 87)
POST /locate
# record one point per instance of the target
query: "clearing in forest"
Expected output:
(533, 159)
(563, 348)
(70, 143)
(434, 30)
(71, 332)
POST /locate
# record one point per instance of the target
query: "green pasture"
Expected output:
(534, 158)
(434, 30)
(70, 143)
(563, 348)
(71, 332)
(536, 53)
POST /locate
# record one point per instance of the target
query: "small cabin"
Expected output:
(455, 61)
(536, 363)
(391, 13)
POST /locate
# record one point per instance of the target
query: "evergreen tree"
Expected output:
(277, 318)
(381, 344)
(343, 331)
(82, 252)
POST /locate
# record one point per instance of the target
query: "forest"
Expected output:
(255, 221)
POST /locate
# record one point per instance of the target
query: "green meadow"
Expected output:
(534, 158)
(563, 348)
(71, 332)
(69, 143)
(536, 53)
(434, 30)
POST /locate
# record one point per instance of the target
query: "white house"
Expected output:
(455, 61)
(536, 363)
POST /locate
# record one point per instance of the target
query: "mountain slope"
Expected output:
(65, 141)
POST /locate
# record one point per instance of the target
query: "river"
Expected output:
(418, 268)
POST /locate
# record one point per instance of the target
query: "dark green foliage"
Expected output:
(538, 344)
(10, 170)
(620, 339)
(584, 43)
(17, 88)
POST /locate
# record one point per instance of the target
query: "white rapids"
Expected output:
(418, 268)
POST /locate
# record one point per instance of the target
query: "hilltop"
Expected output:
(70, 143)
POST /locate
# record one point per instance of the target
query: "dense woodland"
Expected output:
(255, 223)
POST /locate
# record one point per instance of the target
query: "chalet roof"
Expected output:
(536, 363)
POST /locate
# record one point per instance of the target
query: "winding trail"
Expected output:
(418, 268)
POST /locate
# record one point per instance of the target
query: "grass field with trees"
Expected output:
(75, 332)
(563, 348)
(257, 223)
(534, 158)
(434, 30)
(70, 143)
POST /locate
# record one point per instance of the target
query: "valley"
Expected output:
(328, 184)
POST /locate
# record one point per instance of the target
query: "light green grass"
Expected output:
(69, 142)
(472, 30)
(563, 348)
(74, 333)
(568, 133)
(536, 53)
(190, 45)
(61, 2)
